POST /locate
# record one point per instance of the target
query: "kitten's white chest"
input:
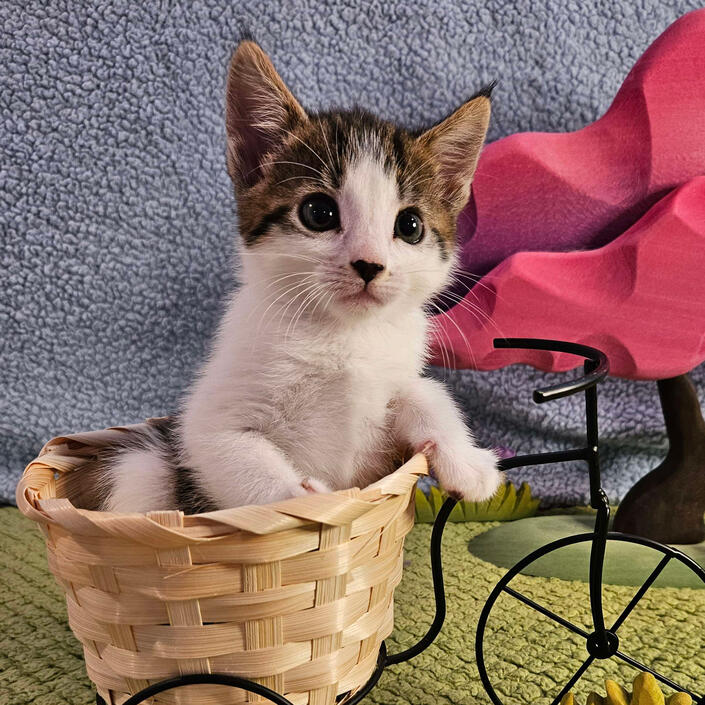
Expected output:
(337, 399)
(319, 399)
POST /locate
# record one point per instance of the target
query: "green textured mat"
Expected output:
(625, 563)
(529, 656)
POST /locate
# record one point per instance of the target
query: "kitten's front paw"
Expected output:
(313, 486)
(472, 475)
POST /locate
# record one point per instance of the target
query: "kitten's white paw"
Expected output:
(472, 475)
(313, 486)
(309, 485)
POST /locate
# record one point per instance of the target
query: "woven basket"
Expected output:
(296, 595)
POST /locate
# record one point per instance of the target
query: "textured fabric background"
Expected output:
(116, 214)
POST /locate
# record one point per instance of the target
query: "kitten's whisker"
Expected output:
(418, 182)
(310, 149)
(325, 137)
(305, 278)
(304, 258)
(465, 302)
(478, 280)
(466, 305)
(292, 288)
(305, 166)
(279, 292)
(330, 298)
(325, 291)
(264, 302)
(414, 173)
(303, 292)
(311, 291)
(337, 149)
(445, 357)
(308, 178)
(454, 277)
(288, 276)
(475, 310)
(462, 335)
(315, 296)
(302, 309)
(441, 337)
(455, 280)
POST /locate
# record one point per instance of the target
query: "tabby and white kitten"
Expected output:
(314, 381)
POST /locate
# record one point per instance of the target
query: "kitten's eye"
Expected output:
(409, 227)
(319, 212)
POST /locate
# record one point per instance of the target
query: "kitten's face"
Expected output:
(342, 213)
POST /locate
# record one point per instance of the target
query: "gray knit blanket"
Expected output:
(116, 214)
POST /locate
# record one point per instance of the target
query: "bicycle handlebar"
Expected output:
(597, 365)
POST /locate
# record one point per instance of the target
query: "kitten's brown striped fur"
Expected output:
(317, 149)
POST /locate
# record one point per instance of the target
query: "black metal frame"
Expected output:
(600, 644)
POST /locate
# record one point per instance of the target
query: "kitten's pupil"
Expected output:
(408, 227)
(319, 212)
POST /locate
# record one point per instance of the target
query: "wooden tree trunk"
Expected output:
(668, 504)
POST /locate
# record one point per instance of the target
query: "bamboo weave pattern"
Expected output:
(297, 595)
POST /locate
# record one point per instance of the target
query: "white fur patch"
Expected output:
(141, 482)
(369, 203)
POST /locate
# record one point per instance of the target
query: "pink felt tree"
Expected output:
(598, 237)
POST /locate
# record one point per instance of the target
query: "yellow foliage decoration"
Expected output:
(508, 504)
(646, 691)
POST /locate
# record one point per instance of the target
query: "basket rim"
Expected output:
(68, 453)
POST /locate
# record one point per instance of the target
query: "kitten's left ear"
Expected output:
(260, 111)
(457, 142)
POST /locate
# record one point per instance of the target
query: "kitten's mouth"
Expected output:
(363, 296)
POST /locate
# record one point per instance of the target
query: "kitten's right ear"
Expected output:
(259, 112)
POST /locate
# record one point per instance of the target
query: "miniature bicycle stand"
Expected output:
(602, 643)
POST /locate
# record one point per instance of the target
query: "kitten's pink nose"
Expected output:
(367, 270)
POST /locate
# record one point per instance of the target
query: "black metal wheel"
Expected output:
(248, 685)
(203, 679)
(603, 642)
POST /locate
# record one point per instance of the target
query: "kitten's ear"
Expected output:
(259, 112)
(456, 143)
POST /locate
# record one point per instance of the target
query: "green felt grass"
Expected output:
(529, 657)
(625, 563)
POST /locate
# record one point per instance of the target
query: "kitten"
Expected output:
(314, 380)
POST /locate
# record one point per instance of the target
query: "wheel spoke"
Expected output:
(666, 681)
(573, 680)
(640, 593)
(546, 612)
